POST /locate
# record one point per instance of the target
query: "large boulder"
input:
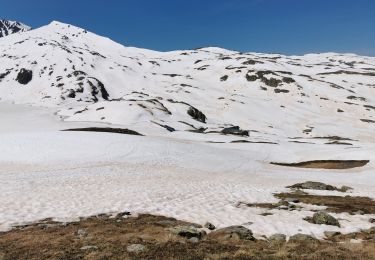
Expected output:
(232, 233)
(323, 218)
(24, 76)
(197, 115)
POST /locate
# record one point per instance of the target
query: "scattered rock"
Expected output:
(196, 114)
(81, 233)
(279, 238)
(302, 237)
(209, 226)
(188, 232)
(312, 185)
(89, 248)
(233, 233)
(136, 248)
(331, 234)
(24, 76)
(372, 220)
(323, 218)
(292, 200)
(123, 214)
(194, 240)
(235, 130)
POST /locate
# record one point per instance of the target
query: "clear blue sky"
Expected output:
(278, 26)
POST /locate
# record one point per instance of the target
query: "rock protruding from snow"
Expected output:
(10, 27)
(24, 76)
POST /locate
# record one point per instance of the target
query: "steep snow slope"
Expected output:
(10, 27)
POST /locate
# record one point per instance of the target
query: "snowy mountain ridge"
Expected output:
(9, 27)
(91, 78)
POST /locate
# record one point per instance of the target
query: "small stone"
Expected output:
(345, 188)
(292, 200)
(277, 238)
(194, 240)
(323, 218)
(233, 233)
(209, 226)
(89, 248)
(81, 233)
(301, 237)
(372, 220)
(136, 248)
(331, 234)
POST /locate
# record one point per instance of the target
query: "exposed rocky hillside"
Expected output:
(10, 27)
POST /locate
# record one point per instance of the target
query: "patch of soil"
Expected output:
(105, 130)
(326, 164)
(149, 237)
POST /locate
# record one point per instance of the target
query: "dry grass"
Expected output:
(326, 164)
(337, 204)
(111, 236)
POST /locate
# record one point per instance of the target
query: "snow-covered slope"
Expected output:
(10, 27)
(294, 108)
(91, 78)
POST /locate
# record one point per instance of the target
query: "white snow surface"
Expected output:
(80, 79)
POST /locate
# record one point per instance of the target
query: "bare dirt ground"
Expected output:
(150, 237)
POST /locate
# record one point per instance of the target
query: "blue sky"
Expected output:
(277, 26)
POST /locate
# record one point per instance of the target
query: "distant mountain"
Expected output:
(92, 78)
(10, 27)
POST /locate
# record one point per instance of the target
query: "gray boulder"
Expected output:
(323, 218)
(136, 248)
(232, 233)
(302, 237)
(279, 238)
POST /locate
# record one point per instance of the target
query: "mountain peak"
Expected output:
(9, 27)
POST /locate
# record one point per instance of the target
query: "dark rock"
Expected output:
(224, 78)
(372, 220)
(232, 233)
(196, 114)
(235, 130)
(24, 76)
(187, 231)
(209, 226)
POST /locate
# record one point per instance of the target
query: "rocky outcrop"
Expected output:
(24, 76)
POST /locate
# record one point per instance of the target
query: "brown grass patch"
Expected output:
(111, 236)
(336, 204)
(326, 164)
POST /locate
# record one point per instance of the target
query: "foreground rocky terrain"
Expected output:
(154, 237)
